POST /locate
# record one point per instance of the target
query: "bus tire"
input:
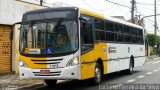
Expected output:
(50, 82)
(131, 66)
(97, 74)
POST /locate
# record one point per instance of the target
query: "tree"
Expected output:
(152, 39)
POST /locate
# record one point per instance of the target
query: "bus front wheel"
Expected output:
(98, 74)
(50, 82)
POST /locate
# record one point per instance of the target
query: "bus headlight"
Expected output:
(73, 61)
(22, 64)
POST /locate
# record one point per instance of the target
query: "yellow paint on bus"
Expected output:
(90, 13)
(89, 59)
(32, 64)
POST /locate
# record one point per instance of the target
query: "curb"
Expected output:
(153, 59)
(156, 58)
(28, 87)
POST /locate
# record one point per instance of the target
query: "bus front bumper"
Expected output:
(69, 73)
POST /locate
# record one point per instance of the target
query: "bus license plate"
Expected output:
(45, 71)
(53, 66)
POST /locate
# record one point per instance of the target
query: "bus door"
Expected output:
(87, 52)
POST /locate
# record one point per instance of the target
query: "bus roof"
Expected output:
(90, 13)
(51, 9)
(102, 16)
(123, 22)
(86, 12)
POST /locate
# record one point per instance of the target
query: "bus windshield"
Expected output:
(55, 36)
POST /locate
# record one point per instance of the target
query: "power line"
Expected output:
(94, 7)
(118, 4)
(150, 21)
(114, 10)
(144, 16)
(145, 3)
(130, 8)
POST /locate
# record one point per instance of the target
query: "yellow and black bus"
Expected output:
(73, 43)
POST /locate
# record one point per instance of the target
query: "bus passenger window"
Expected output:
(99, 24)
(100, 35)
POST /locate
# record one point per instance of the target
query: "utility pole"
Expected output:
(155, 26)
(132, 11)
(155, 18)
(41, 2)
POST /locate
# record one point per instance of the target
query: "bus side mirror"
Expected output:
(82, 19)
(12, 30)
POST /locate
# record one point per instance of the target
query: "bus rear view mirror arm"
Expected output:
(82, 19)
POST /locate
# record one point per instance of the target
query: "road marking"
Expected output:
(141, 76)
(149, 73)
(155, 70)
(131, 80)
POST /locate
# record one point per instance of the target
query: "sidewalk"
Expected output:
(13, 82)
(152, 58)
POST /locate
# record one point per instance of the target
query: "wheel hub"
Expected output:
(98, 74)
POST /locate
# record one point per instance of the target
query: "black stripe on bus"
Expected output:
(49, 60)
(47, 63)
(117, 59)
(47, 75)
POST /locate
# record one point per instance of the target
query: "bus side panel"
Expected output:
(87, 65)
(89, 60)
(119, 56)
(101, 52)
(140, 59)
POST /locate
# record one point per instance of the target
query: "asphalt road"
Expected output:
(144, 77)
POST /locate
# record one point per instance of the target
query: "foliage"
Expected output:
(151, 51)
(151, 39)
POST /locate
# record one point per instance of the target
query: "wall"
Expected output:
(11, 11)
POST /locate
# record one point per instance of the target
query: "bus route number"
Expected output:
(53, 66)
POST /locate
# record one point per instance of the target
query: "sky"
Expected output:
(144, 8)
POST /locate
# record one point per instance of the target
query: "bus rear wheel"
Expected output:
(50, 82)
(130, 70)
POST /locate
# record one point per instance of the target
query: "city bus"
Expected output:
(69, 43)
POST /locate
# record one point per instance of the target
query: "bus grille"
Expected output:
(50, 74)
(51, 61)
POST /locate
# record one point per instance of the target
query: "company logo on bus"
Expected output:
(112, 50)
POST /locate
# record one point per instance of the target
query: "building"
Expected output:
(119, 17)
(11, 11)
